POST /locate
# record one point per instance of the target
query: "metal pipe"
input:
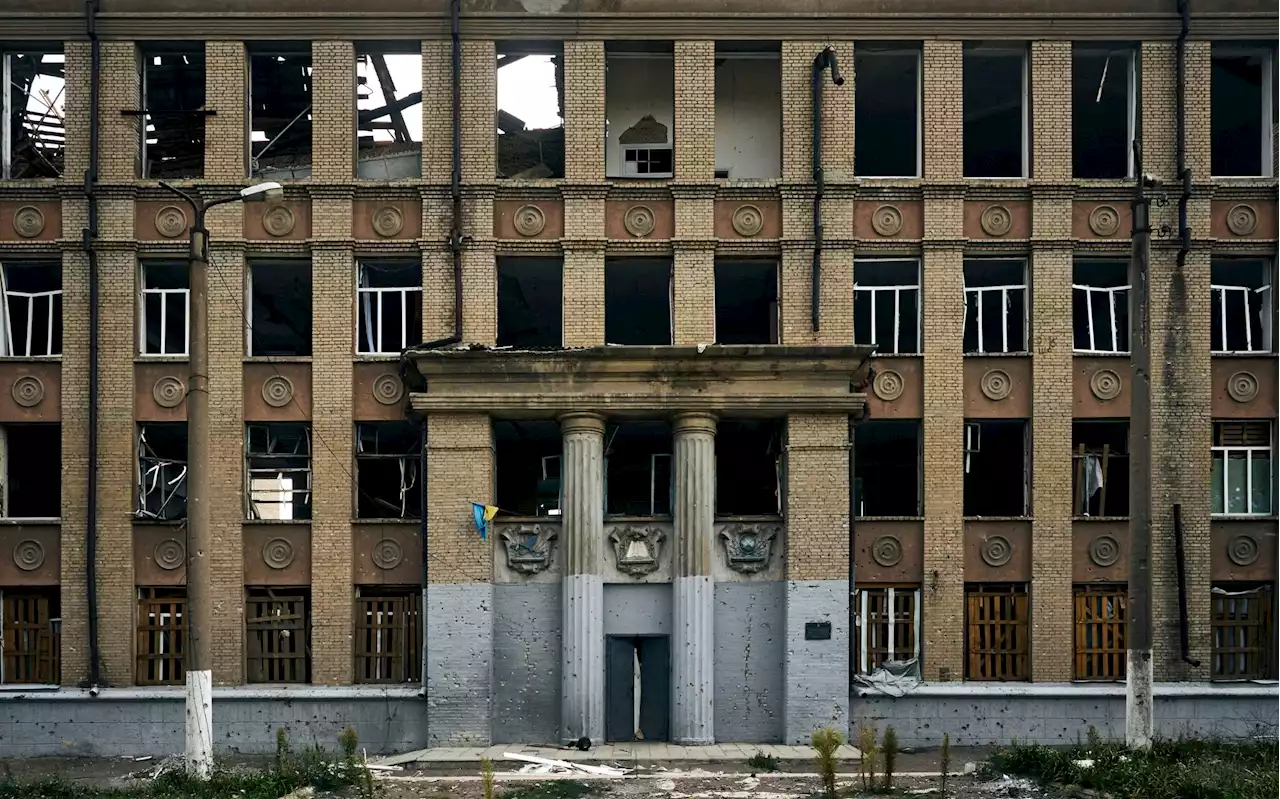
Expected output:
(827, 58)
(455, 176)
(426, 545)
(1180, 99)
(1184, 633)
(88, 235)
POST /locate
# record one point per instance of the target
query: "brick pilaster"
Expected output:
(333, 103)
(583, 291)
(119, 90)
(225, 133)
(583, 111)
(943, 110)
(695, 111)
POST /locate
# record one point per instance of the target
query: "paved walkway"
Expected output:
(629, 754)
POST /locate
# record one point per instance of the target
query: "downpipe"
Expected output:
(825, 59)
(88, 236)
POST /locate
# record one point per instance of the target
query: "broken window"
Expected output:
(749, 467)
(1242, 111)
(888, 622)
(30, 308)
(886, 305)
(1100, 468)
(277, 624)
(996, 467)
(748, 110)
(278, 470)
(162, 470)
(637, 457)
(997, 637)
(530, 110)
(388, 112)
(637, 301)
(388, 635)
(166, 308)
(33, 135)
(173, 83)
(995, 305)
(162, 636)
(528, 467)
(390, 306)
(530, 302)
(995, 111)
(1100, 632)
(1243, 620)
(32, 636)
(639, 109)
(746, 301)
(387, 470)
(1242, 305)
(31, 462)
(1241, 480)
(1102, 111)
(280, 111)
(887, 468)
(279, 307)
(886, 109)
(1100, 307)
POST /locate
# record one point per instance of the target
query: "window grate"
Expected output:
(996, 632)
(162, 636)
(389, 637)
(888, 622)
(1100, 632)
(1243, 624)
(32, 640)
(278, 636)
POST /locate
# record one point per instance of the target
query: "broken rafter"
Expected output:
(408, 101)
(379, 62)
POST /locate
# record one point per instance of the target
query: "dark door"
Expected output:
(655, 687)
(623, 655)
(619, 701)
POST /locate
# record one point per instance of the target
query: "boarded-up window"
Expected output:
(997, 639)
(1100, 629)
(888, 624)
(278, 636)
(1243, 633)
(162, 636)
(388, 635)
(32, 640)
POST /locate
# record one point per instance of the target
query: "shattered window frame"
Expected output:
(371, 304)
(161, 478)
(371, 450)
(1224, 144)
(29, 303)
(41, 127)
(1091, 301)
(1007, 294)
(879, 614)
(39, 461)
(1102, 467)
(865, 110)
(1251, 443)
(639, 134)
(1235, 308)
(382, 137)
(279, 452)
(871, 292)
(551, 154)
(163, 298)
(268, 64)
(1084, 53)
(983, 89)
(173, 124)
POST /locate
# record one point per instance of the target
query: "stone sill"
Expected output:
(232, 693)
(283, 522)
(31, 520)
(965, 690)
(888, 518)
(31, 358)
(1088, 519)
(144, 358)
(1259, 354)
(277, 358)
(396, 520)
(998, 518)
(1087, 354)
(1022, 354)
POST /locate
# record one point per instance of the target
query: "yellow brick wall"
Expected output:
(333, 103)
(459, 472)
(817, 465)
(583, 289)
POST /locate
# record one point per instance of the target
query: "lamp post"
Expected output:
(199, 612)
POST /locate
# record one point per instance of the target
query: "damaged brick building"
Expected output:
(784, 344)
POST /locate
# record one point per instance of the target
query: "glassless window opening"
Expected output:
(530, 110)
(31, 465)
(748, 105)
(527, 462)
(639, 109)
(280, 112)
(278, 470)
(1103, 112)
(30, 309)
(995, 306)
(887, 467)
(1100, 307)
(173, 86)
(886, 305)
(166, 308)
(749, 467)
(390, 306)
(638, 476)
(33, 133)
(1100, 473)
(1242, 305)
(387, 466)
(996, 473)
(1242, 477)
(388, 112)
(1242, 111)
(995, 111)
(746, 301)
(162, 470)
(637, 301)
(279, 312)
(530, 302)
(886, 107)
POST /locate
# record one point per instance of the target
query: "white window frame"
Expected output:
(369, 299)
(1131, 87)
(1004, 290)
(164, 318)
(897, 305)
(1025, 53)
(7, 343)
(863, 626)
(1112, 293)
(1218, 295)
(1225, 453)
(918, 52)
(626, 169)
(1268, 142)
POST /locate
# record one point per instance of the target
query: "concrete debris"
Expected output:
(1086, 763)
(1012, 787)
(301, 793)
(922, 791)
(665, 785)
(565, 765)
(750, 782)
(970, 768)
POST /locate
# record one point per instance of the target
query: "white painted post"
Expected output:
(199, 727)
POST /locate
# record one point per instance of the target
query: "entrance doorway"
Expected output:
(637, 687)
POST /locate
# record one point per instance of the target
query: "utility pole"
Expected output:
(197, 653)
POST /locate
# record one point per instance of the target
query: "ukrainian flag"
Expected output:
(483, 515)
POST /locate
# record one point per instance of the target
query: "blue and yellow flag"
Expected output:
(483, 515)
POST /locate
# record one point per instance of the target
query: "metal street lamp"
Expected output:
(199, 613)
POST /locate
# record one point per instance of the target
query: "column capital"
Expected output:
(693, 422)
(581, 422)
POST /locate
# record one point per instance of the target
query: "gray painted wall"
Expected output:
(817, 672)
(460, 664)
(526, 664)
(640, 609)
(750, 645)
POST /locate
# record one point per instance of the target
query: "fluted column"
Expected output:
(582, 536)
(693, 606)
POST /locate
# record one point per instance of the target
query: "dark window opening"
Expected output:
(639, 109)
(746, 302)
(388, 457)
(886, 310)
(1242, 306)
(162, 470)
(278, 457)
(173, 83)
(34, 109)
(278, 635)
(748, 100)
(994, 112)
(637, 458)
(31, 310)
(995, 313)
(280, 111)
(1100, 306)
(388, 111)
(1101, 111)
(749, 467)
(33, 636)
(886, 110)
(996, 461)
(887, 468)
(32, 457)
(1100, 473)
(280, 306)
(166, 300)
(1242, 113)
(528, 467)
(530, 302)
(637, 301)
(530, 110)
(390, 305)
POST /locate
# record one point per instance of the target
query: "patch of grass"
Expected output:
(557, 789)
(762, 762)
(1170, 770)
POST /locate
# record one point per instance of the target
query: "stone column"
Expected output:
(693, 605)
(582, 536)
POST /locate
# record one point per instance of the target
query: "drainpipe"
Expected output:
(827, 58)
(88, 235)
(426, 545)
(1184, 633)
(1184, 171)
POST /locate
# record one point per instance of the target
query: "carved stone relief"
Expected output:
(169, 554)
(388, 389)
(886, 220)
(887, 550)
(529, 220)
(171, 221)
(996, 550)
(28, 222)
(277, 553)
(1104, 550)
(996, 384)
(748, 547)
(278, 221)
(169, 391)
(748, 220)
(996, 220)
(387, 554)
(1243, 550)
(277, 391)
(28, 555)
(888, 385)
(1242, 219)
(637, 550)
(1242, 386)
(529, 547)
(1105, 384)
(1104, 220)
(388, 221)
(27, 391)
(639, 220)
